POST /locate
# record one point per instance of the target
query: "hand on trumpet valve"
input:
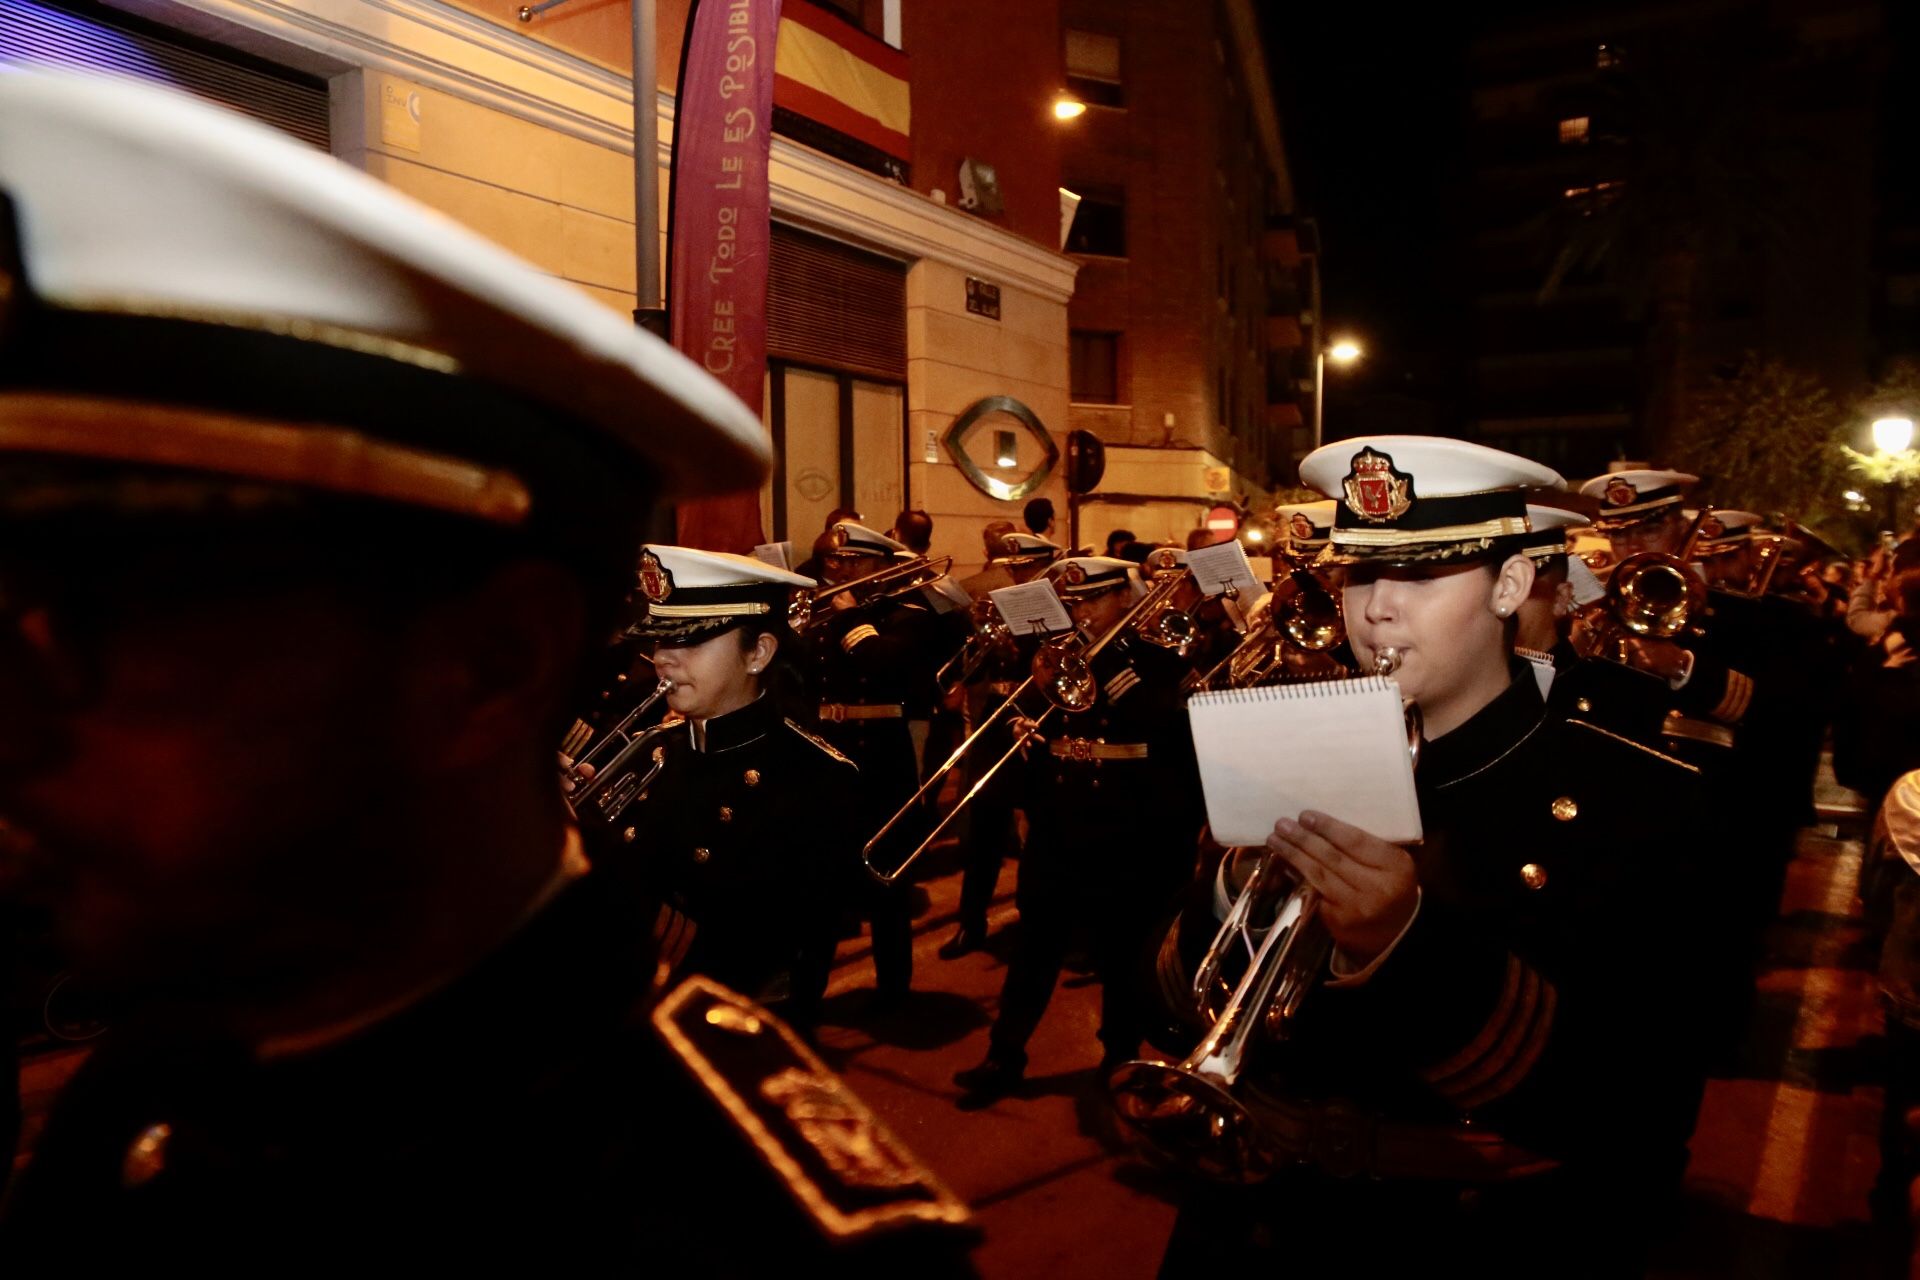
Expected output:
(571, 779)
(1368, 888)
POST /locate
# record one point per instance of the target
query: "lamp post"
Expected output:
(1343, 352)
(1893, 436)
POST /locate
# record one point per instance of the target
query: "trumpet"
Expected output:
(600, 783)
(1186, 1111)
(897, 579)
(1063, 675)
(1651, 595)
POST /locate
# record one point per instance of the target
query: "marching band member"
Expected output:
(872, 665)
(989, 832)
(1642, 512)
(1112, 808)
(750, 899)
(316, 508)
(1477, 1054)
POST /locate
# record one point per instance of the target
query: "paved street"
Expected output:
(1047, 1176)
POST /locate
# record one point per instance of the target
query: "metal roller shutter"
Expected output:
(832, 305)
(86, 37)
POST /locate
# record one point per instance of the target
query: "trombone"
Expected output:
(895, 580)
(1187, 1111)
(1310, 620)
(1063, 675)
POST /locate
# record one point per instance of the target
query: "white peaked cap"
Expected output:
(131, 200)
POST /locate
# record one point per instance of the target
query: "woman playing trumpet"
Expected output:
(1499, 1045)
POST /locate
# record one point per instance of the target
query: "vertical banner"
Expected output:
(719, 238)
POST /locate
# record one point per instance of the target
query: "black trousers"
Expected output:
(1111, 886)
(990, 834)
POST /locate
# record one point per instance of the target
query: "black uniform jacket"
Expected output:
(1547, 987)
(748, 834)
(1112, 808)
(529, 1118)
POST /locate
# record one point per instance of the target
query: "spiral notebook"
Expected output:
(1338, 746)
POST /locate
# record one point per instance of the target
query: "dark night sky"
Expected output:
(1372, 106)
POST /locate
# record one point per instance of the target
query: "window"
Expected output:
(868, 15)
(1100, 224)
(1606, 58)
(1573, 130)
(1093, 68)
(1094, 361)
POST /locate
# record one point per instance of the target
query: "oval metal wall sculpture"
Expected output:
(982, 412)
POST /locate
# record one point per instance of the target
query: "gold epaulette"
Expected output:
(1692, 729)
(821, 743)
(844, 1168)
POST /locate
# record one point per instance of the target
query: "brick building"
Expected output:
(1191, 322)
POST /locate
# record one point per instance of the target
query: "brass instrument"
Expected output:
(987, 633)
(898, 579)
(1309, 620)
(600, 783)
(1186, 1111)
(1651, 595)
(1062, 675)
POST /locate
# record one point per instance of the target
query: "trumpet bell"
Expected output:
(1654, 595)
(1314, 625)
(1190, 1122)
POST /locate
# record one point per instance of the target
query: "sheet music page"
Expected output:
(1338, 746)
(1221, 566)
(777, 554)
(1031, 608)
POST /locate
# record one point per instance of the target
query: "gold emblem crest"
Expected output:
(656, 581)
(1620, 494)
(1711, 527)
(1376, 491)
(1299, 527)
(1073, 575)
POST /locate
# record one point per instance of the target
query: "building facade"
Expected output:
(922, 196)
(1191, 340)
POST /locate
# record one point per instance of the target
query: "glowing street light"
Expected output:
(1854, 495)
(1893, 435)
(1343, 352)
(1065, 108)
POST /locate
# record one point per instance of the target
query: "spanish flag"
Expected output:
(835, 74)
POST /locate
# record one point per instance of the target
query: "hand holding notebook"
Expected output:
(1336, 746)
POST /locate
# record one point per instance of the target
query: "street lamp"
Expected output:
(1065, 108)
(1343, 352)
(1893, 436)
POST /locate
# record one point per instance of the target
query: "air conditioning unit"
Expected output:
(979, 188)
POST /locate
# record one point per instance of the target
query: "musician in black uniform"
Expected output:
(989, 832)
(874, 665)
(308, 526)
(748, 897)
(1796, 677)
(1112, 802)
(1642, 512)
(1490, 1079)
